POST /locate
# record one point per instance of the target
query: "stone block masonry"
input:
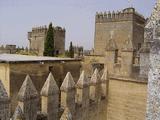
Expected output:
(76, 102)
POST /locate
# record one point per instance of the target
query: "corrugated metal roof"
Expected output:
(27, 58)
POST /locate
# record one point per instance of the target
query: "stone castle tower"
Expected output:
(37, 37)
(118, 26)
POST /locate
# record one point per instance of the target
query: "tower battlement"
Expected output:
(127, 14)
(57, 28)
(39, 29)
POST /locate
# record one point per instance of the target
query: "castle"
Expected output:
(118, 82)
(37, 37)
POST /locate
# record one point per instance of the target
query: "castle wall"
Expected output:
(5, 76)
(38, 73)
(89, 60)
(126, 100)
(138, 32)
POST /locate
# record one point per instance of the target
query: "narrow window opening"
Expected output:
(116, 56)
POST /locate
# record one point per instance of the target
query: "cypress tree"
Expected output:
(71, 50)
(49, 42)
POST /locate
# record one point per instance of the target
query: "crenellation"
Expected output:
(50, 93)
(124, 15)
(39, 29)
(28, 99)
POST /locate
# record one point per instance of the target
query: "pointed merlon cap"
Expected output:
(111, 46)
(83, 81)
(27, 90)
(18, 114)
(154, 16)
(68, 83)
(3, 94)
(95, 77)
(128, 46)
(66, 115)
(104, 77)
(50, 86)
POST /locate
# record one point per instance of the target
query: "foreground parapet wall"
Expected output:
(81, 99)
(87, 99)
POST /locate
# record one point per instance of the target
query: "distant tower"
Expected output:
(38, 35)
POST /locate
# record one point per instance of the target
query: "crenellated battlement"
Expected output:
(44, 28)
(124, 15)
(58, 28)
(39, 29)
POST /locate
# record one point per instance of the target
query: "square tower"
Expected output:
(38, 35)
(118, 25)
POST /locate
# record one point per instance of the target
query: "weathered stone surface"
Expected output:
(18, 114)
(50, 86)
(68, 93)
(154, 16)
(28, 99)
(4, 103)
(95, 88)
(126, 100)
(153, 102)
(66, 115)
(104, 77)
(111, 45)
(95, 77)
(27, 90)
(82, 97)
(50, 98)
(3, 94)
(83, 81)
(104, 84)
(128, 45)
(68, 83)
(122, 23)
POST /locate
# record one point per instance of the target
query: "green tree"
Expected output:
(49, 42)
(71, 50)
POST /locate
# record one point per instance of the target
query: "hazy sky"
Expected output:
(17, 17)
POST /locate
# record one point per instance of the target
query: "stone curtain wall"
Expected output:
(126, 100)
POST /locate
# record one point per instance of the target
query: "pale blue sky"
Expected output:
(17, 17)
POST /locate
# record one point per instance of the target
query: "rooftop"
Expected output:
(26, 58)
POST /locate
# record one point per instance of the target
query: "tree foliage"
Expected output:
(71, 50)
(49, 42)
